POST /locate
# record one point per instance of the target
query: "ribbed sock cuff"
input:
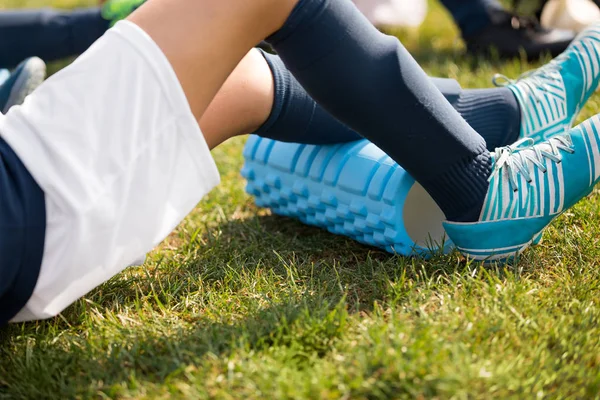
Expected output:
(493, 113)
(281, 87)
(461, 190)
(293, 110)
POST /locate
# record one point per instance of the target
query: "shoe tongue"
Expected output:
(545, 146)
(493, 159)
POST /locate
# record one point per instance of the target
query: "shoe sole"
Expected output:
(32, 76)
(509, 254)
(350, 189)
(492, 255)
(537, 240)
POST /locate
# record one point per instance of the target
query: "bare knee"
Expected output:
(243, 103)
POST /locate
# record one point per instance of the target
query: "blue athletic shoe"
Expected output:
(24, 79)
(4, 75)
(352, 189)
(552, 96)
(530, 186)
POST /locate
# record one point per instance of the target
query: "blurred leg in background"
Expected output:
(53, 34)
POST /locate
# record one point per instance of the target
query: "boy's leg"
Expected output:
(370, 82)
(550, 97)
(118, 175)
(386, 97)
(119, 172)
(168, 21)
(245, 101)
(539, 104)
(261, 96)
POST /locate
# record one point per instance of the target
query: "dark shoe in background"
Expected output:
(509, 34)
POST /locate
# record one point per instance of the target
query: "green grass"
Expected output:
(238, 303)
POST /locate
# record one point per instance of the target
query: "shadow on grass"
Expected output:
(303, 329)
(330, 277)
(278, 242)
(292, 251)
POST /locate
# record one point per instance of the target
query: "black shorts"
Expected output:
(22, 233)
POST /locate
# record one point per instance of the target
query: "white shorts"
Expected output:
(112, 142)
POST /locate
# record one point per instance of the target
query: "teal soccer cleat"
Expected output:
(530, 186)
(552, 96)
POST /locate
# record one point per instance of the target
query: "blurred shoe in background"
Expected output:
(4, 74)
(403, 13)
(488, 28)
(24, 79)
(575, 15)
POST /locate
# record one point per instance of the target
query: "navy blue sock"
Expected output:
(471, 16)
(296, 117)
(494, 113)
(371, 83)
(48, 34)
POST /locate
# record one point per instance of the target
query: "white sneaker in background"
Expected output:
(408, 13)
(574, 15)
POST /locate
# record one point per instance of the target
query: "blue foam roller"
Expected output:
(352, 189)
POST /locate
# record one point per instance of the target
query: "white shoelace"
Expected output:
(517, 157)
(536, 80)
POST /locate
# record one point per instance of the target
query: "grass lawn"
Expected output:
(238, 303)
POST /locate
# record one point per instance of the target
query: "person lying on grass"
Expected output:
(94, 175)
